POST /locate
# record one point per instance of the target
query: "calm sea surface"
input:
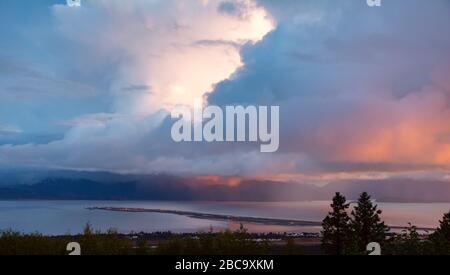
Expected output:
(61, 217)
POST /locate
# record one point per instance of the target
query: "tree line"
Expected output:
(348, 232)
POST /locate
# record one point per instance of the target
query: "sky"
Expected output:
(364, 92)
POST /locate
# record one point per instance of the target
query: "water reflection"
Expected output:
(61, 217)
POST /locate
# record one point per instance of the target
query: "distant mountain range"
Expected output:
(73, 185)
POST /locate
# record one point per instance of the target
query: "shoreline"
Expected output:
(223, 217)
(215, 217)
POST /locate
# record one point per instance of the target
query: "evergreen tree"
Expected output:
(440, 239)
(366, 224)
(336, 227)
(409, 242)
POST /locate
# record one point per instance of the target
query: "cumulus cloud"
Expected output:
(152, 55)
(358, 87)
(362, 91)
(163, 44)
